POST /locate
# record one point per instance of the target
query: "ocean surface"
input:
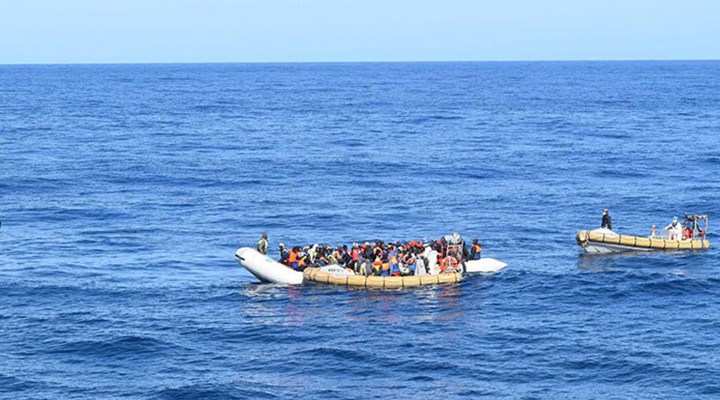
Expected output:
(126, 189)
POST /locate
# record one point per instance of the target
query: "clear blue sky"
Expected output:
(120, 31)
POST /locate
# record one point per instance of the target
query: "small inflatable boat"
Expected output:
(268, 270)
(605, 241)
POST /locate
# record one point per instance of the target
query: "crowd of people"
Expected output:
(382, 259)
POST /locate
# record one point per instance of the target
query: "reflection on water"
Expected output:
(297, 304)
(669, 261)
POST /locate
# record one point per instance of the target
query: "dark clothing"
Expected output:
(284, 255)
(606, 222)
(368, 253)
(345, 259)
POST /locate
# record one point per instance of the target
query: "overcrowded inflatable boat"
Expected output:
(687, 235)
(388, 266)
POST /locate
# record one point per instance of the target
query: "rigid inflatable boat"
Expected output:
(605, 241)
(268, 270)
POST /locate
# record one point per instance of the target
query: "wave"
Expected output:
(214, 391)
(118, 348)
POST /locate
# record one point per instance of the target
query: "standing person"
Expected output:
(262, 244)
(675, 229)
(367, 251)
(606, 220)
(475, 250)
(354, 253)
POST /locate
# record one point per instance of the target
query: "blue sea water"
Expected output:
(125, 189)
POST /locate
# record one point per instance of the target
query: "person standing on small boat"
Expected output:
(606, 220)
(262, 244)
(475, 250)
(675, 229)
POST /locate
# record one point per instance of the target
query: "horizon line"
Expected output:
(360, 62)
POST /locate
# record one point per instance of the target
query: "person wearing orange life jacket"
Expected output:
(687, 233)
(377, 266)
(304, 259)
(292, 260)
(475, 250)
(449, 264)
(385, 269)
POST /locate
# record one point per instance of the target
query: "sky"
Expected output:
(196, 31)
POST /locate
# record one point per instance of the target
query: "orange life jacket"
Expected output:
(377, 264)
(292, 257)
(449, 264)
(687, 232)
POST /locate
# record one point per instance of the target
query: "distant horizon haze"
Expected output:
(314, 31)
(359, 62)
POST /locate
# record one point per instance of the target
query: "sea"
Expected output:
(126, 189)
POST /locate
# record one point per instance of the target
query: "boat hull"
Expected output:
(484, 266)
(266, 269)
(603, 241)
(379, 282)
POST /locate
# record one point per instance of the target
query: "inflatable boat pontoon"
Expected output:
(268, 270)
(605, 241)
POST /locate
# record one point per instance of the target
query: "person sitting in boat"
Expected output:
(344, 258)
(653, 232)
(378, 250)
(321, 258)
(675, 229)
(475, 250)
(606, 220)
(262, 244)
(393, 259)
(354, 253)
(284, 254)
(377, 267)
(407, 267)
(367, 251)
(292, 260)
(332, 257)
(360, 264)
(304, 259)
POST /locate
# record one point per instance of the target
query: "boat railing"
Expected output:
(667, 234)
